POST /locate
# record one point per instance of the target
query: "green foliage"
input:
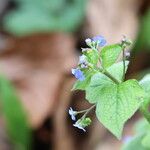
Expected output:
(117, 104)
(82, 85)
(15, 117)
(109, 54)
(145, 140)
(39, 16)
(100, 82)
(145, 83)
(142, 137)
(116, 99)
(115, 70)
(92, 56)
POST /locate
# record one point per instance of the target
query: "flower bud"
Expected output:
(127, 54)
(88, 41)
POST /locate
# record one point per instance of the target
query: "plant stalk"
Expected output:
(88, 110)
(124, 65)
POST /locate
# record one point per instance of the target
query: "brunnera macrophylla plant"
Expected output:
(102, 77)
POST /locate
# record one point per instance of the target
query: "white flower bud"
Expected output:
(88, 41)
(82, 59)
(127, 54)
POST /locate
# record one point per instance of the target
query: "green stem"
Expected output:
(82, 111)
(88, 110)
(105, 72)
(124, 65)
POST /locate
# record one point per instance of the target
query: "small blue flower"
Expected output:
(100, 40)
(72, 113)
(78, 74)
(79, 125)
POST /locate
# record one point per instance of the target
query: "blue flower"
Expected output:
(72, 113)
(78, 74)
(100, 40)
(79, 125)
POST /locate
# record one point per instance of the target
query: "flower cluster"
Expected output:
(95, 42)
(84, 61)
(80, 123)
(98, 72)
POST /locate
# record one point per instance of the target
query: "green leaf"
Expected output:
(100, 82)
(116, 69)
(117, 104)
(92, 56)
(145, 83)
(142, 126)
(82, 85)
(146, 140)
(135, 144)
(15, 117)
(109, 54)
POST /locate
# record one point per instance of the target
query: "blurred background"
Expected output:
(40, 42)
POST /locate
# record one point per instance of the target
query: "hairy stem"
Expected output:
(124, 65)
(105, 72)
(88, 110)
